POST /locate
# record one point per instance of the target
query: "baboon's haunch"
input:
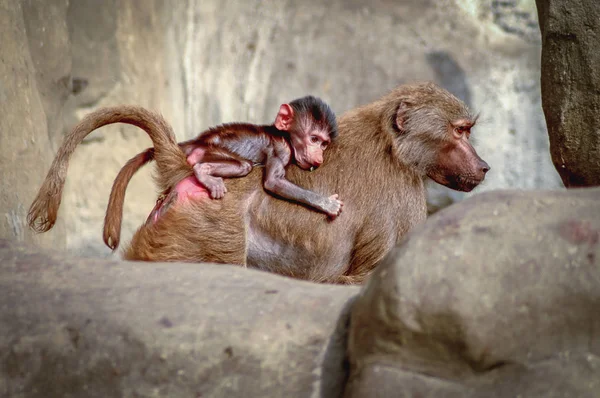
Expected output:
(44, 209)
(378, 164)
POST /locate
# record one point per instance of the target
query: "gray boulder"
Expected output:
(80, 327)
(497, 296)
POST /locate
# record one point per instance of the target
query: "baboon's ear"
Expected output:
(401, 115)
(284, 118)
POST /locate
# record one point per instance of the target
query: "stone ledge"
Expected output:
(95, 328)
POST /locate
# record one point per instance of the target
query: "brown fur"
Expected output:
(114, 210)
(378, 164)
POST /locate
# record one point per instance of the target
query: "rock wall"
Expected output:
(35, 81)
(205, 62)
(570, 87)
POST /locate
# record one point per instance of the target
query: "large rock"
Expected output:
(570, 87)
(76, 327)
(35, 81)
(497, 296)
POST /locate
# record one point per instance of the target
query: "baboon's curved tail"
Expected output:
(114, 211)
(170, 160)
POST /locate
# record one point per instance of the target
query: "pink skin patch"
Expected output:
(187, 190)
(190, 189)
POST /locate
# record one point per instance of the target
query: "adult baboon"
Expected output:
(378, 164)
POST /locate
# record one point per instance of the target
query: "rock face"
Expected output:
(35, 81)
(496, 296)
(570, 87)
(201, 63)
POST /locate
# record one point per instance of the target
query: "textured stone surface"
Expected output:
(570, 87)
(504, 303)
(496, 296)
(76, 327)
(34, 84)
(205, 62)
